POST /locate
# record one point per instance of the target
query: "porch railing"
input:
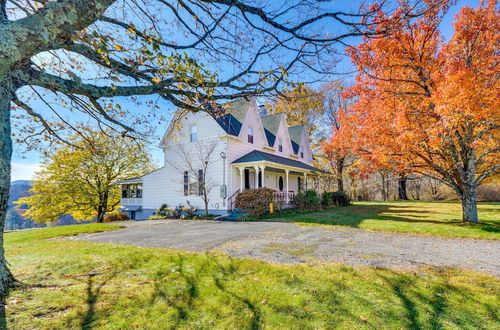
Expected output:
(278, 197)
(281, 196)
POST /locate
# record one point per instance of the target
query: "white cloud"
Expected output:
(22, 171)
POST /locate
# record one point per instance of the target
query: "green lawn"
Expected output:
(120, 287)
(431, 218)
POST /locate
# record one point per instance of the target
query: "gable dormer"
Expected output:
(252, 131)
(281, 139)
(300, 142)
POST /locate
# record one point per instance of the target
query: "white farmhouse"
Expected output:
(248, 149)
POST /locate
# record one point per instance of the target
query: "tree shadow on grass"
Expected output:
(228, 271)
(183, 284)
(439, 300)
(353, 216)
(181, 300)
(93, 291)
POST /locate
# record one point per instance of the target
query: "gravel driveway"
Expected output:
(289, 243)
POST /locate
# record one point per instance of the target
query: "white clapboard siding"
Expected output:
(166, 185)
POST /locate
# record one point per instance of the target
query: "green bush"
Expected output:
(335, 198)
(327, 199)
(306, 200)
(255, 200)
(340, 198)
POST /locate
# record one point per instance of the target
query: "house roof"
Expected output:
(130, 181)
(295, 133)
(136, 179)
(271, 125)
(231, 115)
(257, 156)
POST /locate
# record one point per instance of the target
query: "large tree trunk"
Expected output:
(469, 192)
(100, 214)
(402, 194)
(6, 94)
(469, 205)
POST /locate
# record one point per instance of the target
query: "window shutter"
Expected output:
(186, 183)
(200, 182)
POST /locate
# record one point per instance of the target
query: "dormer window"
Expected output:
(301, 154)
(280, 145)
(193, 133)
(250, 135)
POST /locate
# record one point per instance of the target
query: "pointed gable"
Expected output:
(271, 125)
(232, 115)
(295, 133)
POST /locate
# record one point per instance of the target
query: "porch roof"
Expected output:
(259, 156)
(130, 181)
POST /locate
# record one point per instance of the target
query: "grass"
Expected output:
(430, 218)
(120, 287)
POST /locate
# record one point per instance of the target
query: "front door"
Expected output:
(247, 178)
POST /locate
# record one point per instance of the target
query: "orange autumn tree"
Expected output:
(431, 105)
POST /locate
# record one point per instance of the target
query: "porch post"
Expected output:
(287, 190)
(262, 168)
(241, 177)
(256, 177)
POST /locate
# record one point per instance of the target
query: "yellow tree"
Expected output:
(302, 106)
(78, 179)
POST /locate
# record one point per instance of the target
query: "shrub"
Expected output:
(163, 210)
(340, 198)
(189, 211)
(335, 198)
(305, 201)
(116, 216)
(177, 211)
(255, 200)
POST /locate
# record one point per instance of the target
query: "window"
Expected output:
(301, 154)
(138, 191)
(132, 191)
(299, 184)
(280, 145)
(201, 180)
(250, 135)
(193, 133)
(280, 183)
(126, 191)
(186, 183)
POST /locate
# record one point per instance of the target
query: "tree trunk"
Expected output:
(340, 169)
(100, 214)
(402, 194)
(206, 203)
(6, 278)
(469, 206)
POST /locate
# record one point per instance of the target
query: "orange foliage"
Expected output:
(428, 106)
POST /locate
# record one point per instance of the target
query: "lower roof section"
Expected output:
(259, 156)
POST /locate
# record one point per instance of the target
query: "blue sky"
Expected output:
(24, 163)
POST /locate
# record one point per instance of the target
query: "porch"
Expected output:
(285, 176)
